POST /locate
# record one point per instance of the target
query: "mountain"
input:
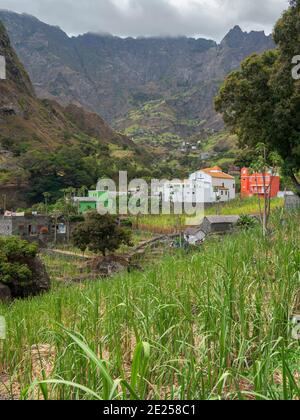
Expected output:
(162, 86)
(44, 146)
(156, 91)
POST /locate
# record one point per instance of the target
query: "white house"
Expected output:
(218, 185)
(209, 185)
(187, 191)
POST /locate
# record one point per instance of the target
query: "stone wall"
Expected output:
(20, 225)
(5, 226)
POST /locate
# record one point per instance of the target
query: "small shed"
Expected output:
(194, 235)
(219, 224)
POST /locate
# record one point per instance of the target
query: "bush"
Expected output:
(20, 268)
(13, 253)
(247, 222)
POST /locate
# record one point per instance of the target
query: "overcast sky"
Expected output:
(209, 18)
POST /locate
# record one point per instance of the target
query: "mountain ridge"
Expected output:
(112, 75)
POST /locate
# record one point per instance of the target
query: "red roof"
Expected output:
(216, 172)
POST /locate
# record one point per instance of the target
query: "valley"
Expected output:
(149, 207)
(159, 91)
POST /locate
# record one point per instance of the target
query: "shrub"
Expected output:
(13, 253)
(247, 222)
(20, 269)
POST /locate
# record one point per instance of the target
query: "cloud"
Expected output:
(209, 18)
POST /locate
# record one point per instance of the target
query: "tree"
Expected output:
(261, 101)
(100, 234)
(265, 164)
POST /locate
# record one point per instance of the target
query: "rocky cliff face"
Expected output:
(113, 76)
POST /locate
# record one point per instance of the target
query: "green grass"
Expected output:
(171, 223)
(244, 206)
(210, 324)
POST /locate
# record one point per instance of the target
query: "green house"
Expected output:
(86, 204)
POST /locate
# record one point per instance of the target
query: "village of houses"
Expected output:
(209, 186)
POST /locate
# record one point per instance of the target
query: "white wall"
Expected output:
(229, 184)
(200, 188)
(210, 184)
(206, 181)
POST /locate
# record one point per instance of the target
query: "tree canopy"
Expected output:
(100, 233)
(261, 101)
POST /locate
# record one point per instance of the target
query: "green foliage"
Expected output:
(68, 167)
(52, 172)
(247, 222)
(14, 257)
(100, 234)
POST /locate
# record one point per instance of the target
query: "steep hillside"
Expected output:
(44, 146)
(114, 76)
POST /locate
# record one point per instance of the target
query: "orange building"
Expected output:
(256, 183)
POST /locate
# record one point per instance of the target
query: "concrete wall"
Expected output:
(292, 202)
(21, 225)
(210, 228)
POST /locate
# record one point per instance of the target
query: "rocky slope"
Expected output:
(114, 76)
(29, 126)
